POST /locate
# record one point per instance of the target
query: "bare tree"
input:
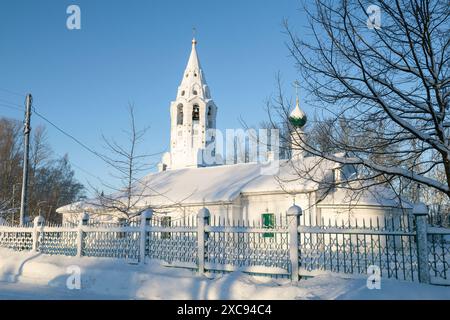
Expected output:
(382, 92)
(125, 200)
(40, 158)
(10, 166)
(52, 182)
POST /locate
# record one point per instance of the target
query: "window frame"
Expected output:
(268, 221)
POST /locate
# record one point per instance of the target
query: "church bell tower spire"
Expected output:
(193, 118)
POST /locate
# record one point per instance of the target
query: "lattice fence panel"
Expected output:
(172, 246)
(124, 245)
(395, 255)
(19, 241)
(439, 256)
(64, 243)
(248, 249)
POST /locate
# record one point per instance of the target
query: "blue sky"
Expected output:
(136, 51)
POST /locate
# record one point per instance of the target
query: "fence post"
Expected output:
(145, 221)
(202, 237)
(294, 213)
(38, 222)
(420, 212)
(84, 220)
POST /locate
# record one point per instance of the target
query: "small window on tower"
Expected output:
(182, 93)
(180, 114)
(194, 92)
(196, 113)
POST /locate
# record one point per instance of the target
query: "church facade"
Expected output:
(187, 180)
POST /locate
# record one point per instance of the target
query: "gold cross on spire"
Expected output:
(194, 31)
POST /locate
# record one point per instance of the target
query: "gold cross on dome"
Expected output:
(296, 85)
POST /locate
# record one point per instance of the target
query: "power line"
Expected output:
(93, 152)
(96, 153)
(69, 136)
(81, 168)
(13, 92)
(12, 104)
(10, 107)
(102, 157)
(19, 107)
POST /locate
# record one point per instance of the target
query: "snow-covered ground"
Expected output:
(37, 276)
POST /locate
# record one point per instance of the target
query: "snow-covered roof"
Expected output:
(208, 184)
(376, 195)
(194, 186)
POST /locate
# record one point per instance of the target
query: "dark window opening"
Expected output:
(180, 115)
(195, 114)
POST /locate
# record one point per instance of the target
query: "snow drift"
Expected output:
(39, 276)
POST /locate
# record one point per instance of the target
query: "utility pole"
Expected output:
(14, 202)
(26, 152)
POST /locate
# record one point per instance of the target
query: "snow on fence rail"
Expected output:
(402, 248)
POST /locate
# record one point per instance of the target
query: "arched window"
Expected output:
(180, 114)
(195, 114)
(182, 93)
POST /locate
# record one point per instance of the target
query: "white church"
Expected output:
(250, 191)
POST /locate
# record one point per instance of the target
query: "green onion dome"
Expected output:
(297, 118)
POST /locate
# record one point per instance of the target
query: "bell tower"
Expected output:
(192, 118)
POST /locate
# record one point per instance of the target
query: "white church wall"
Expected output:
(254, 205)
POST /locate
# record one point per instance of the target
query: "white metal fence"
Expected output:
(402, 248)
